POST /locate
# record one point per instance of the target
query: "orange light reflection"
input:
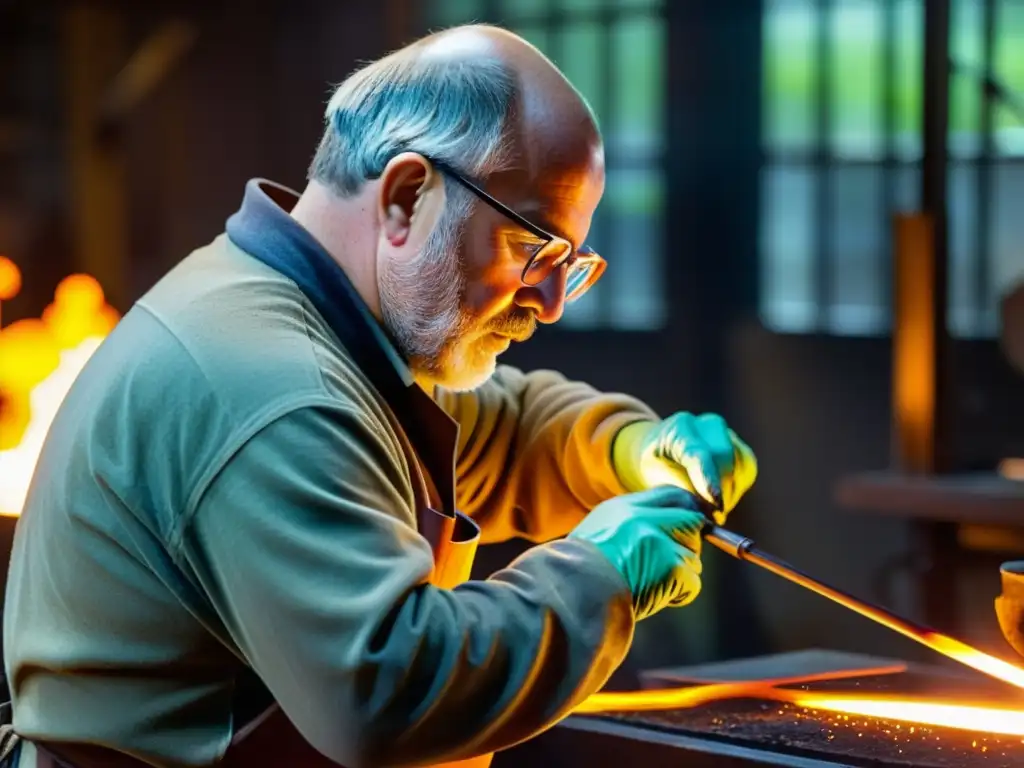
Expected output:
(985, 717)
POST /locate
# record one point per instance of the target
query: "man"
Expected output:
(249, 533)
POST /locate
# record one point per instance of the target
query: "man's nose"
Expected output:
(547, 299)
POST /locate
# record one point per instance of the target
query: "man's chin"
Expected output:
(467, 380)
(458, 376)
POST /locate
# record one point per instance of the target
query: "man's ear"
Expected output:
(411, 196)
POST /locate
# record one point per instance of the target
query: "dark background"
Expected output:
(738, 242)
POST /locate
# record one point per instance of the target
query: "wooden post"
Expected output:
(94, 50)
(914, 374)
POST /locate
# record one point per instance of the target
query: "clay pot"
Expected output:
(1010, 604)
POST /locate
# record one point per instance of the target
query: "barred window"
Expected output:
(841, 133)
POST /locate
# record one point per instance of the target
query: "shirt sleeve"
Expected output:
(535, 451)
(306, 548)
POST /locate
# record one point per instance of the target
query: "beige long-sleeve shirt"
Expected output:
(222, 494)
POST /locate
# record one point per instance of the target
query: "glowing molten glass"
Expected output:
(39, 360)
(975, 659)
(966, 717)
(985, 717)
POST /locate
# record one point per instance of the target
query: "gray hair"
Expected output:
(451, 109)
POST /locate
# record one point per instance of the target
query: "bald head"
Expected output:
(549, 122)
(443, 170)
(552, 150)
(478, 97)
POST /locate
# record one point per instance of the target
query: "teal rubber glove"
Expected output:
(653, 539)
(699, 454)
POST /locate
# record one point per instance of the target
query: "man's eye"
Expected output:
(528, 248)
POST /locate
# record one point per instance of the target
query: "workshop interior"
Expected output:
(813, 225)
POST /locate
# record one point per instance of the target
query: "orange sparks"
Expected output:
(965, 717)
(968, 717)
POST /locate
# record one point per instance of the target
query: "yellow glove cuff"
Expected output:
(626, 450)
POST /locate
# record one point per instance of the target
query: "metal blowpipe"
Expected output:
(743, 548)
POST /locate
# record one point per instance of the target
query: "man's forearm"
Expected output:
(491, 663)
(536, 451)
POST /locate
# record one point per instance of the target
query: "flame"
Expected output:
(981, 717)
(975, 659)
(39, 360)
(964, 717)
(695, 695)
(986, 717)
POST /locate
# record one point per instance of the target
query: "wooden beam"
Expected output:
(94, 51)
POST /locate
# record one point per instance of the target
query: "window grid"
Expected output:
(986, 164)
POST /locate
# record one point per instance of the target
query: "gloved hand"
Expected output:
(697, 453)
(653, 539)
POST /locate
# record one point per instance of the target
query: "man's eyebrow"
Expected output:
(534, 214)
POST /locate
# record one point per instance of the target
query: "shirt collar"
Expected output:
(264, 228)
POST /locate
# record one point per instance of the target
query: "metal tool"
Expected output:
(743, 548)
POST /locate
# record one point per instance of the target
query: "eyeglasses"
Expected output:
(583, 265)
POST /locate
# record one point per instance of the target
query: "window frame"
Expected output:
(973, 318)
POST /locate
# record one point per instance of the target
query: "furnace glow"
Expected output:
(39, 361)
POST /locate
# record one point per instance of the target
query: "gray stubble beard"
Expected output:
(422, 300)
